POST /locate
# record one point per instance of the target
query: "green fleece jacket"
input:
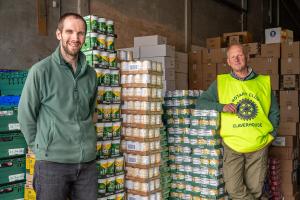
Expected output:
(209, 100)
(56, 109)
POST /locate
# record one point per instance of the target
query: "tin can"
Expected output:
(107, 97)
(106, 77)
(111, 166)
(100, 129)
(115, 111)
(102, 25)
(110, 43)
(116, 129)
(106, 148)
(111, 184)
(114, 77)
(116, 94)
(101, 41)
(100, 111)
(120, 196)
(102, 167)
(107, 110)
(120, 182)
(101, 186)
(104, 58)
(115, 147)
(107, 132)
(110, 27)
(112, 60)
(119, 164)
(91, 22)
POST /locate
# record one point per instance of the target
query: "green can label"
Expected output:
(115, 147)
(115, 111)
(115, 77)
(110, 184)
(102, 25)
(110, 166)
(101, 186)
(106, 77)
(120, 182)
(107, 132)
(102, 167)
(107, 97)
(116, 129)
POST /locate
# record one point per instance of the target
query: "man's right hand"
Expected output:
(229, 108)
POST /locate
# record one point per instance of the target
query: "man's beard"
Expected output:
(68, 51)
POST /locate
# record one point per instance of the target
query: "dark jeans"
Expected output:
(56, 181)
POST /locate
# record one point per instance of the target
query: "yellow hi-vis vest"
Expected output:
(249, 129)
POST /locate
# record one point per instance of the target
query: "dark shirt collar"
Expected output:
(251, 74)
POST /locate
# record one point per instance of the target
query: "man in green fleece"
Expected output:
(249, 120)
(55, 115)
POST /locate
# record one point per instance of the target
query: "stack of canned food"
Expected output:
(141, 113)
(195, 148)
(100, 53)
(273, 185)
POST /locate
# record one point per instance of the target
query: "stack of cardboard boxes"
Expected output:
(175, 64)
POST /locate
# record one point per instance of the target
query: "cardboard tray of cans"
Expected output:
(142, 125)
(143, 193)
(141, 85)
(142, 153)
(135, 98)
(137, 139)
(145, 180)
(141, 112)
(143, 166)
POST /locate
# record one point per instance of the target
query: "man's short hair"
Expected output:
(245, 51)
(60, 25)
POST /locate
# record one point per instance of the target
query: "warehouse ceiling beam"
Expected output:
(233, 5)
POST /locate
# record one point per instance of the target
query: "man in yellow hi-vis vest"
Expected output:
(249, 122)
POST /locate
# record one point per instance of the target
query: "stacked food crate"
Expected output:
(12, 143)
(195, 148)
(100, 53)
(141, 113)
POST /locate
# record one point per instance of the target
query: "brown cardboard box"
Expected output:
(288, 128)
(289, 98)
(267, 66)
(275, 81)
(290, 66)
(235, 39)
(209, 74)
(252, 48)
(243, 37)
(289, 114)
(223, 68)
(290, 82)
(290, 49)
(181, 81)
(288, 177)
(295, 196)
(195, 70)
(285, 141)
(288, 165)
(288, 189)
(214, 55)
(270, 50)
(283, 152)
(214, 43)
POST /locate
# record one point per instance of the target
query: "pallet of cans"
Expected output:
(100, 53)
(165, 177)
(142, 120)
(195, 148)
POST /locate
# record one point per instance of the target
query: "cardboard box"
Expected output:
(196, 48)
(214, 55)
(275, 81)
(278, 35)
(195, 70)
(169, 74)
(149, 40)
(181, 67)
(252, 48)
(168, 85)
(288, 128)
(157, 51)
(289, 98)
(181, 81)
(267, 66)
(290, 49)
(288, 177)
(209, 74)
(285, 141)
(270, 50)
(290, 82)
(223, 68)
(283, 152)
(295, 196)
(288, 189)
(240, 37)
(290, 65)
(214, 43)
(289, 114)
(181, 57)
(288, 165)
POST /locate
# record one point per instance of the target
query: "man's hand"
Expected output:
(230, 108)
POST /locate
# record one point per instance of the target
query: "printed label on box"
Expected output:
(15, 126)
(279, 141)
(19, 151)
(16, 177)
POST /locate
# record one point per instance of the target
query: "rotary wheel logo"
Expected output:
(246, 109)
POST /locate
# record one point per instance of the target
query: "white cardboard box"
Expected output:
(157, 51)
(167, 62)
(149, 40)
(181, 57)
(278, 35)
